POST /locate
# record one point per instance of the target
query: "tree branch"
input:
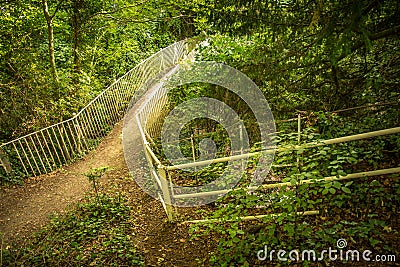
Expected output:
(117, 10)
(147, 20)
(373, 37)
(57, 8)
(370, 7)
(46, 11)
(386, 33)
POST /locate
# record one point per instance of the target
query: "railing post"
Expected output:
(4, 162)
(241, 146)
(166, 194)
(193, 150)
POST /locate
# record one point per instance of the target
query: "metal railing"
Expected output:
(148, 119)
(45, 150)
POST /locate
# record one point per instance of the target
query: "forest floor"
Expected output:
(25, 209)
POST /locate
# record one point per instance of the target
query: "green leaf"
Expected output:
(346, 190)
(236, 240)
(240, 232)
(337, 184)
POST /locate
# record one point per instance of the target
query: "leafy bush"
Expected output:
(360, 211)
(97, 232)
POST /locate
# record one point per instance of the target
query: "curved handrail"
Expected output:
(53, 146)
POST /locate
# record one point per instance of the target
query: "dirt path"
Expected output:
(24, 209)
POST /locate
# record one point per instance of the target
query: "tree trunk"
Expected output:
(76, 41)
(49, 20)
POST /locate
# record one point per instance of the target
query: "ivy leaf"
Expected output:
(337, 184)
(349, 183)
(346, 190)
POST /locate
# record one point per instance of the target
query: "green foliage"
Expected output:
(308, 55)
(95, 174)
(95, 42)
(356, 210)
(97, 232)
(304, 55)
(339, 218)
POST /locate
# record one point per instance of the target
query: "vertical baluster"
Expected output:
(34, 160)
(38, 154)
(119, 99)
(64, 145)
(73, 133)
(44, 153)
(59, 146)
(20, 159)
(114, 105)
(94, 118)
(107, 110)
(88, 124)
(80, 135)
(54, 147)
(83, 126)
(101, 117)
(48, 149)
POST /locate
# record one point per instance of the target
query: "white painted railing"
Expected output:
(148, 117)
(49, 148)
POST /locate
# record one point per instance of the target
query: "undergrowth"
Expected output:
(362, 213)
(97, 232)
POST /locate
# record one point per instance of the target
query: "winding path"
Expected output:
(24, 209)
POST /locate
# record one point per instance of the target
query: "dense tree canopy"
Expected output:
(335, 63)
(306, 55)
(326, 55)
(57, 55)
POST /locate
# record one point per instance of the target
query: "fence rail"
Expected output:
(148, 119)
(45, 150)
(49, 148)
